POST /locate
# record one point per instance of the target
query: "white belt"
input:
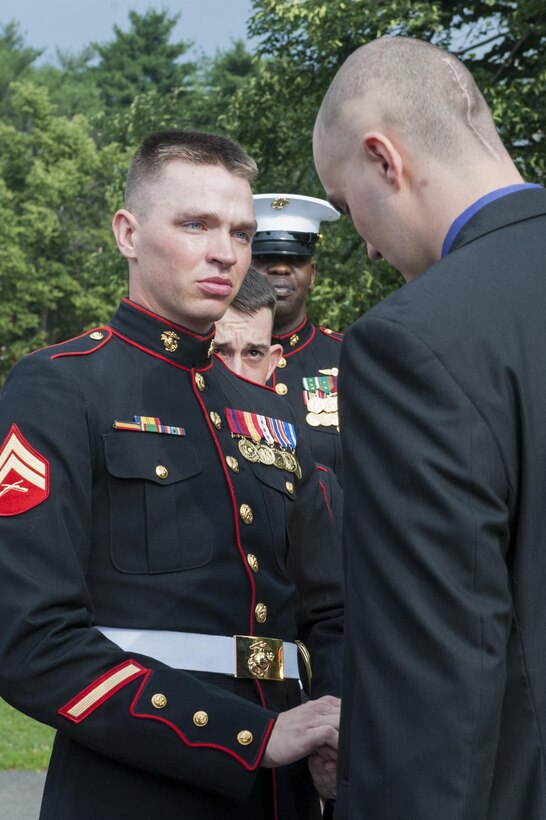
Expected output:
(242, 656)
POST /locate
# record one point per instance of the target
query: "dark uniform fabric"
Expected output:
(145, 530)
(443, 407)
(306, 351)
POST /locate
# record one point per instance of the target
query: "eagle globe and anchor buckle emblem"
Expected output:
(259, 657)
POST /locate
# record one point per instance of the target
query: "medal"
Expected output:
(313, 419)
(248, 450)
(290, 462)
(278, 459)
(265, 454)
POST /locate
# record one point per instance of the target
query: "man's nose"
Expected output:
(279, 266)
(223, 249)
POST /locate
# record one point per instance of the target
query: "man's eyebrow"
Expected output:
(256, 346)
(198, 216)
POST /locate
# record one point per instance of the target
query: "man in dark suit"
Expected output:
(165, 541)
(443, 415)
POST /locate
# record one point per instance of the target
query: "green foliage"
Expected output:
(67, 132)
(24, 743)
(302, 43)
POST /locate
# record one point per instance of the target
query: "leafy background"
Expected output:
(68, 129)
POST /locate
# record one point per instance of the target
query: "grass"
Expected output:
(24, 743)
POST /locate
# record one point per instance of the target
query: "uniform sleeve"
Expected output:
(428, 594)
(53, 665)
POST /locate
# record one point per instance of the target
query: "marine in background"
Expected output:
(287, 234)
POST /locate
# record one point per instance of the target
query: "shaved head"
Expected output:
(420, 92)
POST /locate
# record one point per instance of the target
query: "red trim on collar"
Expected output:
(243, 378)
(200, 336)
(158, 355)
(233, 504)
(295, 330)
(301, 347)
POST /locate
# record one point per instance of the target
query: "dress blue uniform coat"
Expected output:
(148, 531)
(306, 351)
(443, 410)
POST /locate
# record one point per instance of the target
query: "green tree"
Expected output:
(54, 189)
(141, 59)
(301, 46)
(15, 57)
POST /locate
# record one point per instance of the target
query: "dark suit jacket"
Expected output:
(443, 412)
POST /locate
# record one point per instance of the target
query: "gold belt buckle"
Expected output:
(261, 658)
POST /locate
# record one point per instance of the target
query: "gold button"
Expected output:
(253, 562)
(294, 340)
(261, 613)
(161, 471)
(281, 362)
(159, 701)
(232, 463)
(215, 418)
(246, 513)
(289, 486)
(245, 737)
(96, 335)
(200, 718)
(200, 382)
(281, 389)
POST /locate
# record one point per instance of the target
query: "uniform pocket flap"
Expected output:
(162, 459)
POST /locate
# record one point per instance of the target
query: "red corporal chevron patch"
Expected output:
(24, 475)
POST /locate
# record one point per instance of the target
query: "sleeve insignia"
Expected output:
(24, 475)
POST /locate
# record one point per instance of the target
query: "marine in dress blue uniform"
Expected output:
(307, 373)
(131, 524)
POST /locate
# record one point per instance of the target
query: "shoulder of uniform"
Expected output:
(332, 334)
(83, 345)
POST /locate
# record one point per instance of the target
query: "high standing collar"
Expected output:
(161, 337)
(296, 339)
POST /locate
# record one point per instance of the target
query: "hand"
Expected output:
(301, 731)
(323, 771)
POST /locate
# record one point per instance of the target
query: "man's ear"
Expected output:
(275, 353)
(312, 277)
(380, 150)
(124, 226)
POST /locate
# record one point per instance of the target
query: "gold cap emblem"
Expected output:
(294, 339)
(161, 471)
(246, 513)
(200, 382)
(200, 718)
(210, 351)
(281, 389)
(96, 335)
(261, 613)
(245, 737)
(170, 340)
(159, 701)
(253, 562)
(280, 202)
